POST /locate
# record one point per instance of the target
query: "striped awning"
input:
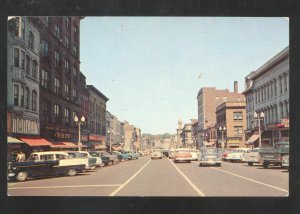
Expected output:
(252, 139)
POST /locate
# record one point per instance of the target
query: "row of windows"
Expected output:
(21, 32)
(25, 98)
(23, 61)
(270, 89)
(57, 63)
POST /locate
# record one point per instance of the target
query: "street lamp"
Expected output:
(222, 130)
(109, 133)
(259, 117)
(79, 122)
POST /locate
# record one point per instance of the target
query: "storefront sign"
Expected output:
(62, 135)
(27, 127)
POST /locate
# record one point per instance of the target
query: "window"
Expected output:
(74, 71)
(27, 65)
(67, 115)
(34, 69)
(44, 48)
(16, 57)
(46, 105)
(27, 93)
(275, 88)
(57, 31)
(22, 96)
(67, 66)
(23, 29)
(22, 59)
(56, 111)
(67, 91)
(45, 79)
(280, 84)
(16, 95)
(285, 82)
(31, 40)
(74, 94)
(34, 102)
(75, 50)
(224, 99)
(67, 42)
(238, 115)
(56, 59)
(56, 86)
(271, 96)
(238, 130)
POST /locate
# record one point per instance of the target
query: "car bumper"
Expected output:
(11, 175)
(210, 162)
(156, 157)
(182, 159)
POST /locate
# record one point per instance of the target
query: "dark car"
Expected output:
(41, 164)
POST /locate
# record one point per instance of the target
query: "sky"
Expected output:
(151, 68)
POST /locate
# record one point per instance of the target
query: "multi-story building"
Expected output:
(267, 90)
(132, 137)
(188, 139)
(97, 117)
(23, 76)
(232, 116)
(60, 79)
(178, 134)
(208, 99)
(115, 131)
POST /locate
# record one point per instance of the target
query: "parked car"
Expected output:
(251, 157)
(132, 155)
(124, 155)
(273, 155)
(96, 154)
(41, 164)
(183, 156)
(165, 152)
(285, 161)
(172, 152)
(141, 153)
(236, 155)
(209, 156)
(156, 155)
(99, 162)
(113, 158)
(90, 162)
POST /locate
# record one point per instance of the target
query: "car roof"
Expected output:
(50, 152)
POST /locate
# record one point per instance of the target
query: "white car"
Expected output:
(156, 155)
(236, 154)
(195, 154)
(98, 159)
(251, 157)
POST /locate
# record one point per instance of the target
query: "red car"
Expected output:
(182, 156)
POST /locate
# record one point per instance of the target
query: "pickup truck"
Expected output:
(273, 155)
(41, 164)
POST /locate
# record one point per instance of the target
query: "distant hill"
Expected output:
(160, 136)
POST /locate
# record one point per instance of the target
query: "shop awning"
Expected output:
(252, 139)
(63, 145)
(13, 140)
(36, 141)
(98, 145)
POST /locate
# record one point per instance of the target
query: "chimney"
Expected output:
(236, 89)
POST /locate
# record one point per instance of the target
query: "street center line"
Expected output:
(188, 180)
(74, 186)
(251, 180)
(132, 177)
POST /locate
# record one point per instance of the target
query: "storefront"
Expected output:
(97, 141)
(13, 147)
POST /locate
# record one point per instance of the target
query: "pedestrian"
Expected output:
(20, 157)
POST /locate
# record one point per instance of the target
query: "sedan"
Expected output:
(156, 155)
(182, 156)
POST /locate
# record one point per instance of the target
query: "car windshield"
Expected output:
(83, 155)
(94, 154)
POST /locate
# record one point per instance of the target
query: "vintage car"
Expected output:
(182, 155)
(172, 152)
(132, 155)
(285, 161)
(90, 162)
(156, 154)
(113, 158)
(273, 155)
(236, 154)
(209, 156)
(123, 156)
(195, 154)
(41, 164)
(104, 159)
(99, 162)
(251, 157)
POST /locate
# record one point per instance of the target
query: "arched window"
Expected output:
(34, 101)
(27, 97)
(31, 40)
(16, 95)
(27, 65)
(34, 69)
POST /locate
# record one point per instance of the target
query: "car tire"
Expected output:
(71, 172)
(265, 165)
(250, 163)
(22, 176)
(93, 167)
(110, 163)
(200, 164)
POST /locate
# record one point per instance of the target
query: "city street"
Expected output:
(146, 177)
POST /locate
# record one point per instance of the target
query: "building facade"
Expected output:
(232, 116)
(60, 79)
(178, 134)
(208, 99)
(267, 90)
(23, 75)
(97, 117)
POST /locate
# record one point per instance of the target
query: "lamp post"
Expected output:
(109, 133)
(259, 117)
(79, 122)
(222, 130)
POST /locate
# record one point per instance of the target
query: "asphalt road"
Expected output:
(146, 177)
